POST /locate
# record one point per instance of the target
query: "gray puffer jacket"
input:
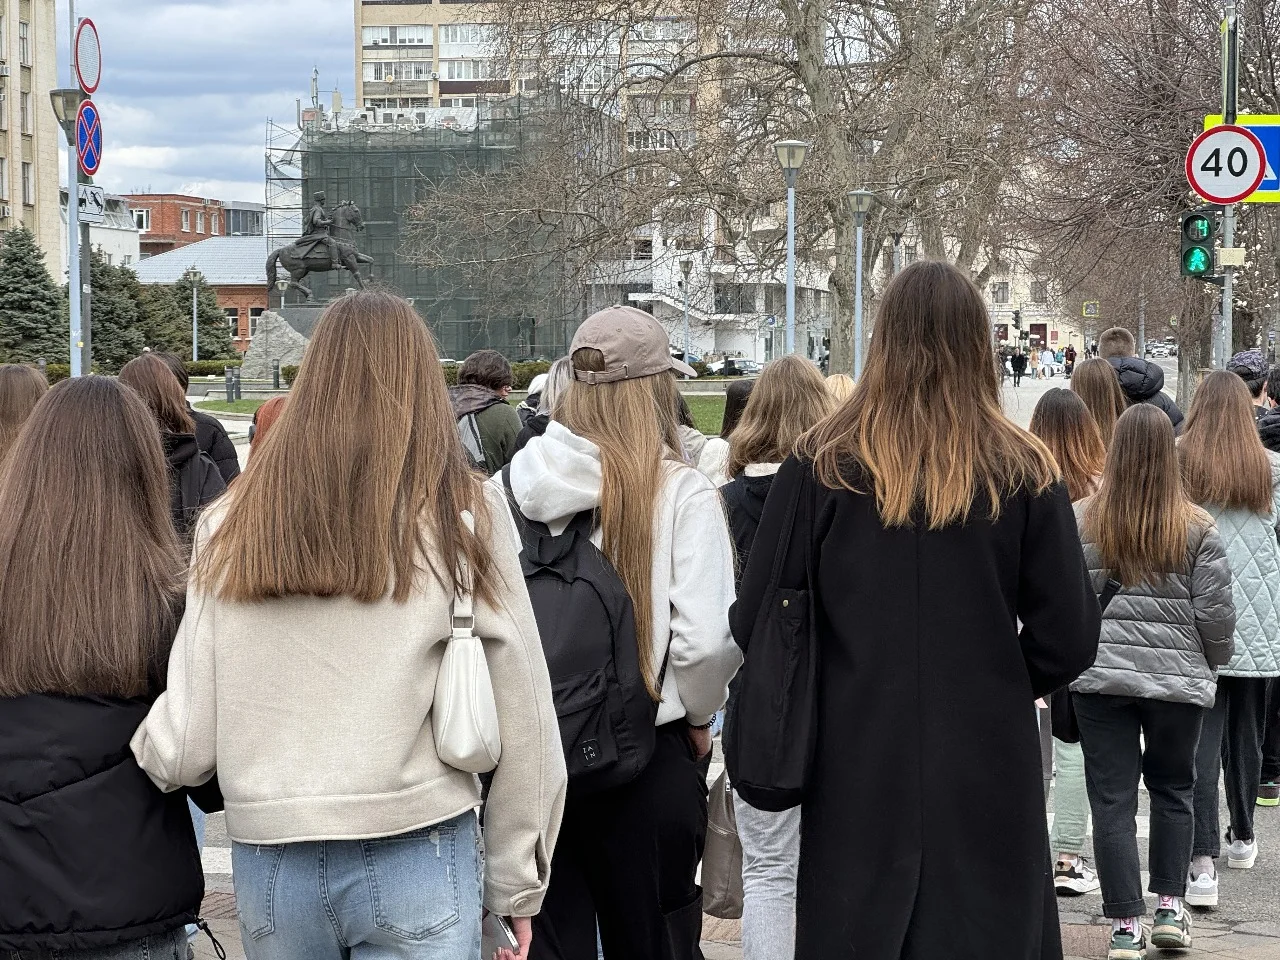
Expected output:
(1164, 642)
(1254, 556)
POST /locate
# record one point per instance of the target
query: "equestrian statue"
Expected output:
(318, 250)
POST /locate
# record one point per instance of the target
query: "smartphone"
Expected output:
(496, 934)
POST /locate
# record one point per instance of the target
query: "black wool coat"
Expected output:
(923, 831)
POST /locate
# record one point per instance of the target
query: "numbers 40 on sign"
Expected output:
(1226, 163)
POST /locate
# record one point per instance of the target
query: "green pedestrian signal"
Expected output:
(1197, 233)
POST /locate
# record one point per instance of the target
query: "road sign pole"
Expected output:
(73, 232)
(1228, 276)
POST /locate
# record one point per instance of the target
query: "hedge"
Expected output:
(209, 368)
(55, 372)
(288, 374)
(522, 374)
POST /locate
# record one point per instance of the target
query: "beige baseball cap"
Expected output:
(633, 343)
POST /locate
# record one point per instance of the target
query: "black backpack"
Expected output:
(588, 629)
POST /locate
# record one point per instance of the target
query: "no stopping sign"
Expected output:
(1226, 163)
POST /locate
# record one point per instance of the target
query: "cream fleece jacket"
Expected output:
(557, 476)
(316, 715)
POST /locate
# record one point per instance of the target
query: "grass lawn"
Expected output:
(235, 406)
(708, 413)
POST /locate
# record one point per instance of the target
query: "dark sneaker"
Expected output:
(1172, 929)
(1126, 945)
(1074, 877)
(1269, 794)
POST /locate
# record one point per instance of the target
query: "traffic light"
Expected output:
(1017, 319)
(1198, 232)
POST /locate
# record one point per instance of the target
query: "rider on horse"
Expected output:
(317, 231)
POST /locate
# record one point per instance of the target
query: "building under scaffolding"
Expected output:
(384, 169)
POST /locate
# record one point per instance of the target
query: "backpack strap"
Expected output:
(1109, 591)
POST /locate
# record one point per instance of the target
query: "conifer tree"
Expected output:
(31, 323)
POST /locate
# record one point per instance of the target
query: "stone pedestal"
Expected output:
(275, 339)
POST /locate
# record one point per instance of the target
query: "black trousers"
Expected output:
(1111, 735)
(1271, 741)
(626, 858)
(1230, 744)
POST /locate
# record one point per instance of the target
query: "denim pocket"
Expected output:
(254, 869)
(413, 880)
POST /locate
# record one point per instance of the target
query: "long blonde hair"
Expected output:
(1224, 463)
(362, 480)
(21, 388)
(90, 567)
(633, 424)
(1098, 385)
(789, 398)
(1141, 518)
(1067, 428)
(925, 425)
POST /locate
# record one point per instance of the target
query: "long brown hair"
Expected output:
(1097, 384)
(1223, 461)
(90, 568)
(363, 481)
(789, 399)
(1063, 422)
(633, 424)
(1141, 518)
(925, 423)
(21, 388)
(151, 377)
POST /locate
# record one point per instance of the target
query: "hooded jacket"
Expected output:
(1143, 382)
(744, 500)
(194, 481)
(558, 476)
(1269, 429)
(497, 421)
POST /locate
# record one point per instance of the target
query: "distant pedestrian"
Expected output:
(1141, 380)
(211, 435)
(1269, 787)
(528, 407)
(486, 423)
(551, 389)
(1251, 367)
(21, 388)
(736, 396)
(1227, 471)
(194, 480)
(1047, 360)
(263, 419)
(840, 387)
(1069, 360)
(708, 455)
(1018, 363)
(322, 597)
(789, 399)
(97, 861)
(1166, 630)
(1096, 383)
(918, 496)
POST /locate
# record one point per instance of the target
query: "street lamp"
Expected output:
(66, 105)
(686, 267)
(791, 155)
(860, 202)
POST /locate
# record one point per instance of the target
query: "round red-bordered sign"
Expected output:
(1226, 163)
(88, 56)
(89, 138)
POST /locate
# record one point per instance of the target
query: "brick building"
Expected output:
(170, 221)
(236, 267)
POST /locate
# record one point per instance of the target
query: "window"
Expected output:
(1000, 292)
(4, 180)
(1039, 291)
(376, 70)
(127, 259)
(28, 184)
(466, 70)
(233, 320)
(200, 222)
(910, 252)
(24, 109)
(398, 36)
(658, 139)
(662, 30)
(186, 221)
(457, 103)
(142, 217)
(464, 33)
(215, 222)
(24, 43)
(677, 106)
(254, 314)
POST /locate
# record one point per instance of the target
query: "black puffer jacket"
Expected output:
(535, 426)
(92, 854)
(1269, 429)
(194, 481)
(1143, 382)
(744, 502)
(216, 445)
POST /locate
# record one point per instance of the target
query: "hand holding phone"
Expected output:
(501, 940)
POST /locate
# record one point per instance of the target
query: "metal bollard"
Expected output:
(42, 364)
(235, 375)
(275, 374)
(231, 390)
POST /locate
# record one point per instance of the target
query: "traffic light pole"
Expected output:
(1230, 94)
(1228, 276)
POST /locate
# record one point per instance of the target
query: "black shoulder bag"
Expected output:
(772, 730)
(1062, 712)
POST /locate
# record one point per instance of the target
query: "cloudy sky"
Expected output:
(188, 85)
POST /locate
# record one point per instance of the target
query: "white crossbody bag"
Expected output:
(465, 714)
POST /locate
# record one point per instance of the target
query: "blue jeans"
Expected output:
(165, 946)
(415, 896)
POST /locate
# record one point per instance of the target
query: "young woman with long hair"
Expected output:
(21, 388)
(97, 860)
(789, 399)
(1096, 383)
(1166, 630)
(628, 855)
(1228, 472)
(709, 455)
(556, 382)
(736, 395)
(319, 606)
(264, 419)
(1067, 428)
(840, 386)
(926, 525)
(194, 479)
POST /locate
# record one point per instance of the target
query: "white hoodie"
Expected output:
(557, 476)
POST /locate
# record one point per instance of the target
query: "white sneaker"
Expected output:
(1074, 877)
(1241, 854)
(1202, 891)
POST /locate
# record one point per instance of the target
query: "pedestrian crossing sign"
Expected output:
(1266, 127)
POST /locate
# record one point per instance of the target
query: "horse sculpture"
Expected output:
(314, 254)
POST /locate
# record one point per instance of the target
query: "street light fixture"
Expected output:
(860, 203)
(66, 105)
(686, 267)
(791, 154)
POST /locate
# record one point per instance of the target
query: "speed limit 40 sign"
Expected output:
(1226, 163)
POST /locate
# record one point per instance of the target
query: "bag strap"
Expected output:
(463, 612)
(784, 542)
(1109, 591)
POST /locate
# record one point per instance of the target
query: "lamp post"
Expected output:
(791, 158)
(686, 267)
(860, 202)
(66, 104)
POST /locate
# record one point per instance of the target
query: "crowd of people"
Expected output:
(455, 689)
